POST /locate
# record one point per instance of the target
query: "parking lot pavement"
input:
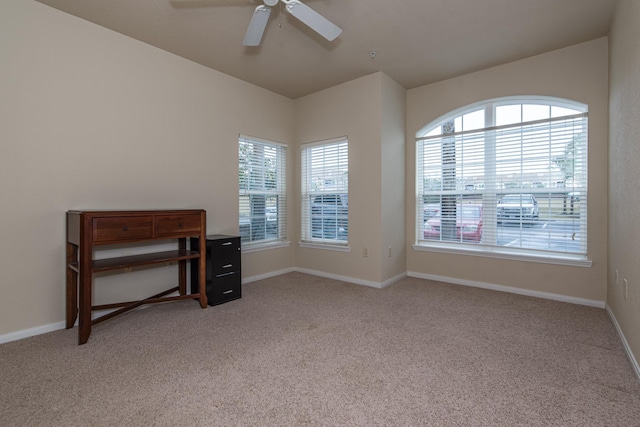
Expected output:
(561, 235)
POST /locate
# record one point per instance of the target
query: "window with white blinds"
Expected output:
(507, 176)
(263, 198)
(325, 192)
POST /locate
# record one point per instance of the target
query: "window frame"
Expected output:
(269, 241)
(336, 222)
(489, 107)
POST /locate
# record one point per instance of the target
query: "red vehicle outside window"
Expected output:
(468, 224)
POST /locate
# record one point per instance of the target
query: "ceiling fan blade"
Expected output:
(258, 23)
(313, 19)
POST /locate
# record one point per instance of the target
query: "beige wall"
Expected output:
(351, 109)
(92, 119)
(393, 179)
(370, 112)
(624, 179)
(578, 73)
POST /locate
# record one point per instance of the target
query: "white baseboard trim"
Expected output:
(26, 333)
(509, 289)
(339, 277)
(378, 285)
(394, 279)
(267, 275)
(625, 343)
(31, 332)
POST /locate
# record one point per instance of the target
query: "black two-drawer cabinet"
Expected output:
(223, 281)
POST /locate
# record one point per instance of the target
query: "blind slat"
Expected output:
(325, 192)
(543, 161)
(262, 186)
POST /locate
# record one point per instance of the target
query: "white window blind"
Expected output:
(511, 177)
(262, 183)
(325, 192)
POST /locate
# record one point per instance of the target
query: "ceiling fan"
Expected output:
(304, 13)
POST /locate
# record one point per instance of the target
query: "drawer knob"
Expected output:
(125, 228)
(180, 225)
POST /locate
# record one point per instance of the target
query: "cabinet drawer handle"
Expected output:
(226, 274)
(226, 243)
(227, 266)
(227, 292)
(125, 228)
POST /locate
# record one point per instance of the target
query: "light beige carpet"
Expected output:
(303, 350)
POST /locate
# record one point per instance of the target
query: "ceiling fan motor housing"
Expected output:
(302, 12)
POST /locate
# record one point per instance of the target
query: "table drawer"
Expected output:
(177, 225)
(116, 229)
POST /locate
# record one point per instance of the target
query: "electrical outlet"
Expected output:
(365, 251)
(626, 288)
(389, 252)
(616, 276)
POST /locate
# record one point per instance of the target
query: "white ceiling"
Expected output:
(417, 41)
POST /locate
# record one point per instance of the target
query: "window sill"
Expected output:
(325, 246)
(264, 246)
(570, 260)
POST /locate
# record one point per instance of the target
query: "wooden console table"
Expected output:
(87, 229)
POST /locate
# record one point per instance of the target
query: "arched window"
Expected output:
(507, 175)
